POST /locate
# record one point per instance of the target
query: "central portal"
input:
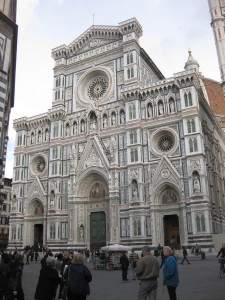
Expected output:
(97, 230)
(38, 236)
(171, 231)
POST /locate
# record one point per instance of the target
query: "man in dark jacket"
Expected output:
(4, 269)
(185, 254)
(124, 265)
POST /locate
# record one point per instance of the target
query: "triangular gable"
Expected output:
(165, 172)
(93, 156)
(36, 189)
(103, 34)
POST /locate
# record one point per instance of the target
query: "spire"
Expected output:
(191, 63)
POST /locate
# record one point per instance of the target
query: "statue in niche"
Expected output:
(105, 122)
(196, 184)
(171, 105)
(52, 199)
(46, 135)
(93, 123)
(113, 119)
(149, 111)
(82, 126)
(32, 139)
(122, 117)
(75, 128)
(81, 232)
(73, 157)
(160, 109)
(134, 190)
(113, 147)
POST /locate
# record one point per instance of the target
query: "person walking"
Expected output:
(124, 265)
(185, 254)
(78, 277)
(36, 255)
(28, 258)
(221, 253)
(48, 281)
(147, 271)
(170, 273)
(14, 288)
(133, 258)
(4, 270)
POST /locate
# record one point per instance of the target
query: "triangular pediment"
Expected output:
(93, 38)
(93, 156)
(165, 172)
(36, 190)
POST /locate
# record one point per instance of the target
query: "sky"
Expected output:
(170, 28)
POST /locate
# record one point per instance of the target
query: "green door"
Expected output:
(97, 230)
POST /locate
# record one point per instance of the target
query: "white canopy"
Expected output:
(116, 247)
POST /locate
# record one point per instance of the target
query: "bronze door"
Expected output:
(97, 230)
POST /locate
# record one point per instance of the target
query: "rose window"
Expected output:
(166, 143)
(97, 88)
(38, 165)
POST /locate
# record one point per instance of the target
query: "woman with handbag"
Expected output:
(78, 277)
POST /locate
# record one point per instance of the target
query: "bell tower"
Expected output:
(217, 13)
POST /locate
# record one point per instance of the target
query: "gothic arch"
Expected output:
(35, 207)
(91, 179)
(167, 193)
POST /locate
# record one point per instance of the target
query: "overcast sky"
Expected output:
(170, 28)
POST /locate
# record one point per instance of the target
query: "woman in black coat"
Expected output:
(78, 277)
(48, 281)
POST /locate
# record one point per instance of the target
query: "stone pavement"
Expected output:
(198, 281)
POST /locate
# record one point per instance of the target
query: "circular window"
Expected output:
(38, 165)
(95, 85)
(164, 141)
(97, 88)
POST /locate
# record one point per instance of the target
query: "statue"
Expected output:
(196, 185)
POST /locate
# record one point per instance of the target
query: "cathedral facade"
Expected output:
(124, 155)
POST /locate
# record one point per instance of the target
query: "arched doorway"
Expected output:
(38, 236)
(171, 231)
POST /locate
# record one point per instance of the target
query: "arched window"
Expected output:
(137, 226)
(52, 231)
(191, 126)
(200, 223)
(133, 137)
(128, 73)
(186, 100)
(39, 136)
(193, 145)
(132, 111)
(132, 72)
(190, 99)
(134, 155)
(13, 232)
